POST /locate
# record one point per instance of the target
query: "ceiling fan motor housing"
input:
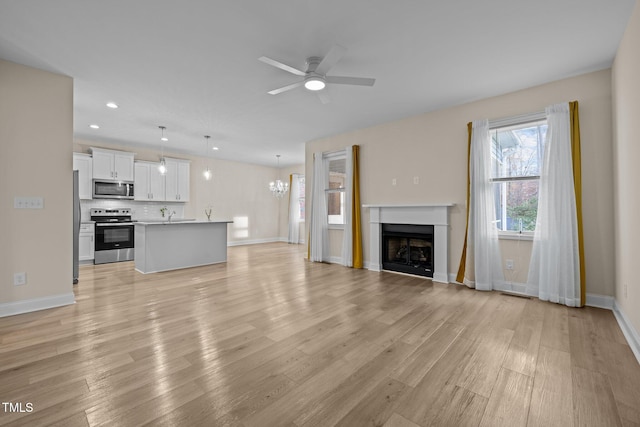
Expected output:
(312, 63)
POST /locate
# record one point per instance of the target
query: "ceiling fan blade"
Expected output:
(285, 88)
(330, 59)
(324, 97)
(282, 66)
(359, 81)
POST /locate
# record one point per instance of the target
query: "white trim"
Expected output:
(627, 329)
(423, 214)
(335, 155)
(410, 205)
(524, 289)
(257, 241)
(600, 301)
(335, 260)
(36, 304)
(517, 120)
(516, 288)
(440, 277)
(512, 235)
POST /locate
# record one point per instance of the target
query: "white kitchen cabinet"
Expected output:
(83, 163)
(112, 164)
(86, 248)
(149, 183)
(177, 180)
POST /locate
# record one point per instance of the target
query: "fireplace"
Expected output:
(433, 243)
(408, 248)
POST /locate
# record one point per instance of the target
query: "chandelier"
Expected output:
(277, 187)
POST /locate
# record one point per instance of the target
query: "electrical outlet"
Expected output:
(416, 180)
(509, 264)
(393, 181)
(19, 279)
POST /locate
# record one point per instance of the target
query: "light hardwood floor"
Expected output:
(269, 339)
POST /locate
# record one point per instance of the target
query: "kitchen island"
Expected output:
(171, 245)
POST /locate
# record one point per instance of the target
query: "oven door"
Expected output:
(114, 236)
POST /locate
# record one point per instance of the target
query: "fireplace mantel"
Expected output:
(424, 214)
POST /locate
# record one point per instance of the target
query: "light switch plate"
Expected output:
(28, 203)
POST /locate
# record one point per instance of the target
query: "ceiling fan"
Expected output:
(315, 78)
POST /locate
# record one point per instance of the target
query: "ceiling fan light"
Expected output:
(314, 84)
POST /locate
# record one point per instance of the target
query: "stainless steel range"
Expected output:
(114, 235)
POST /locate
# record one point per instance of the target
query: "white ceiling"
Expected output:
(193, 66)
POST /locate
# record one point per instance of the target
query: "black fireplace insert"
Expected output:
(408, 248)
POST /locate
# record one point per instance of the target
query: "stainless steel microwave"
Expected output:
(105, 189)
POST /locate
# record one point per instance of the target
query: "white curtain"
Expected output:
(347, 236)
(484, 265)
(555, 264)
(294, 209)
(319, 227)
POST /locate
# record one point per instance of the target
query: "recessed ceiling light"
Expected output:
(94, 126)
(112, 105)
(215, 148)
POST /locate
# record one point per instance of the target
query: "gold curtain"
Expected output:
(577, 182)
(355, 211)
(463, 258)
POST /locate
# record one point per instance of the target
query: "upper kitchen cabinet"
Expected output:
(111, 164)
(149, 183)
(84, 165)
(177, 180)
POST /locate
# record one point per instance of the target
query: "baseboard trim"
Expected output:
(632, 336)
(600, 301)
(593, 300)
(36, 304)
(335, 260)
(257, 241)
(516, 288)
(440, 277)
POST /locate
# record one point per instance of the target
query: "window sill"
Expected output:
(336, 226)
(504, 235)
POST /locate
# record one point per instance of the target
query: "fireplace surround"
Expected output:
(435, 216)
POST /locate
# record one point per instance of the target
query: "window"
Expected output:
(516, 161)
(301, 195)
(335, 193)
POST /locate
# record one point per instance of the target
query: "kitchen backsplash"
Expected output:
(139, 210)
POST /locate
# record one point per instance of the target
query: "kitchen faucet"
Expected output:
(171, 214)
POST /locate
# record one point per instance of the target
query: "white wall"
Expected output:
(626, 113)
(433, 147)
(36, 126)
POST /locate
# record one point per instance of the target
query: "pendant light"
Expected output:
(207, 173)
(277, 187)
(162, 167)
